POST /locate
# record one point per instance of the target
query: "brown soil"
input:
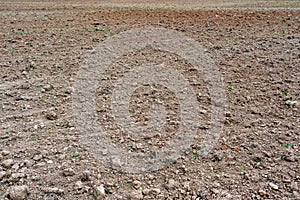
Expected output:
(257, 51)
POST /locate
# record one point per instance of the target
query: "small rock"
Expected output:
(69, 172)
(48, 87)
(16, 176)
(54, 190)
(291, 103)
(262, 192)
(86, 175)
(135, 194)
(22, 98)
(203, 111)
(136, 184)
(296, 195)
(35, 177)
(215, 191)
(228, 114)
(49, 161)
(273, 186)
(51, 115)
(2, 175)
(24, 72)
(27, 163)
(5, 153)
(69, 90)
(201, 194)
(11, 41)
(38, 157)
(7, 163)
(290, 158)
(139, 145)
(154, 191)
(18, 192)
(294, 186)
(78, 185)
(99, 191)
(217, 157)
(15, 166)
(186, 186)
(171, 184)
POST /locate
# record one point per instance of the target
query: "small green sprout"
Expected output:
(9, 130)
(75, 155)
(21, 32)
(280, 147)
(230, 87)
(195, 155)
(242, 170)
(2, 192)
(288, 145)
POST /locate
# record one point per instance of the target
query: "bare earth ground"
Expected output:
(257, 51)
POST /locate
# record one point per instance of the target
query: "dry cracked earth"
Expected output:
(257, 51)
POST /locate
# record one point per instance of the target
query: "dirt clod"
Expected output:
(18, 192)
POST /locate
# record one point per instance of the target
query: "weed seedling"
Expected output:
(75, 155)
(230, 87)
(195, 155)
(9, 131)
(38, 87)
(2, 192)
(288, 145)
(128, 184)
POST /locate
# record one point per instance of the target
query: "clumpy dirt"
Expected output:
(256, 157)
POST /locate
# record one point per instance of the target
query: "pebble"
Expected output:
(296, 195)
(290, 158)
(51, 115)
(35, 177)
(69, 172)
(16, 176)
(273, 186)
(18, 192)
(154, 191)
(37, 157)
(15, 166)
(136, 184)
(294, 186)
(7, 163)
(5, 153)
(49, 162)
(99, 191)
(135, 194)
(171, 184)
(54, 190)
(292, 103)
(2, 175)
(48, 87)
(262, 192)
(22, 98)
(24, 72)
(78, 185)
(86, 176)
(203, 111)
